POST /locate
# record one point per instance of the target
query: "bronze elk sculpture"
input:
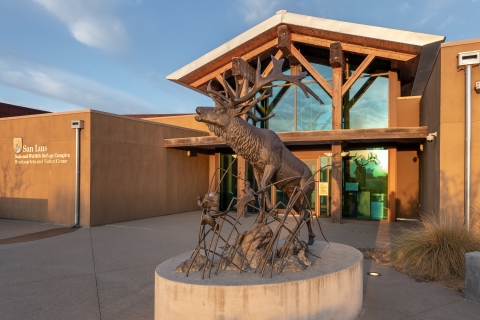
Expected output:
(272, 162)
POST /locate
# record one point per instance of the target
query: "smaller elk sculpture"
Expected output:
(272, 162)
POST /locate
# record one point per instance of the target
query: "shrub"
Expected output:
(435, 249)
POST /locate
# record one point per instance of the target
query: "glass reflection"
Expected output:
(311, 115)
(228, 186)
(365, 184)
(280, 102)
(365, 104)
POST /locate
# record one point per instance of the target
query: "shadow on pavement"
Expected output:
(38, 235)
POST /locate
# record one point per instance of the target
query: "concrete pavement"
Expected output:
(107, 272)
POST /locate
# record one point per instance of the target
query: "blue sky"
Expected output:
(113, 55)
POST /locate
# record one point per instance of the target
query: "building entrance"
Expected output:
(365, 184)
(320, 198)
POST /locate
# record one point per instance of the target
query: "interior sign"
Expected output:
(36, 154)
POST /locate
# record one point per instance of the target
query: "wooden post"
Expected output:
(336, 200)
(393, 93)
(337, 63)
(285, 43)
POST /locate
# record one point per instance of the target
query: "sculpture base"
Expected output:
(331, 288)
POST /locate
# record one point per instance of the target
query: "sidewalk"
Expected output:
(107, 272)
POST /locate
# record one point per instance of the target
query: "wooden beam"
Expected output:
(210, 142)
(387, 54)
(337, 63)
(219, 79)
(285, 43)
(269, 67)
(241, 68)
(270, 44)
(352, 136)
(351, 80)
(336, 196)
(337, 60)
(317, 76)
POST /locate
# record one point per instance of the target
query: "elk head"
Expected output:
(231, 104)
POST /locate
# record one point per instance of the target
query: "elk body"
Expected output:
(272, 162)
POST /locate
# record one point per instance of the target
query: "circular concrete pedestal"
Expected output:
(331, 288)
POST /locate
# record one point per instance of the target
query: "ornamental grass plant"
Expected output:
(435, 249)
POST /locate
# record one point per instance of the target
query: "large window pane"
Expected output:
(366, 103)
(280, 102)
(311, 115)
(324, 70)
(365, 184)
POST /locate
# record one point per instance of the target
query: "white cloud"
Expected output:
(90, 22)
(57, 84)
(257, 10)
(402, 7)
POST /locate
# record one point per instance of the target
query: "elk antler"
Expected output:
(255, 119)
(234, 100)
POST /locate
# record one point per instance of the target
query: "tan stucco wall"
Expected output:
(126, 173)
(443, 110)
(407, 195)
(187, 121)
(134, 176)
(452, 131)
(41, 191)
(408, 111)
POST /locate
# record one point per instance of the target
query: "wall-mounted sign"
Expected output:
(323, 188)
(17, 145)
(36, 154)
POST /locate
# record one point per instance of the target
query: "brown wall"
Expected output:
(134, 176)
(44, 192)
(452, 130)
(126, 173)
(187, 121)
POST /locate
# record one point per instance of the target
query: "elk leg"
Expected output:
(260, 198)
(311, 235)
(268, 173)
(305, 214)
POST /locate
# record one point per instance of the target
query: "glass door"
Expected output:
(280, 196)
(365, 184)
(324, 186)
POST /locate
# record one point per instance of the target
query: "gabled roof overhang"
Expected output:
(417, 48)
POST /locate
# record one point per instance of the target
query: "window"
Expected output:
(365, 104)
